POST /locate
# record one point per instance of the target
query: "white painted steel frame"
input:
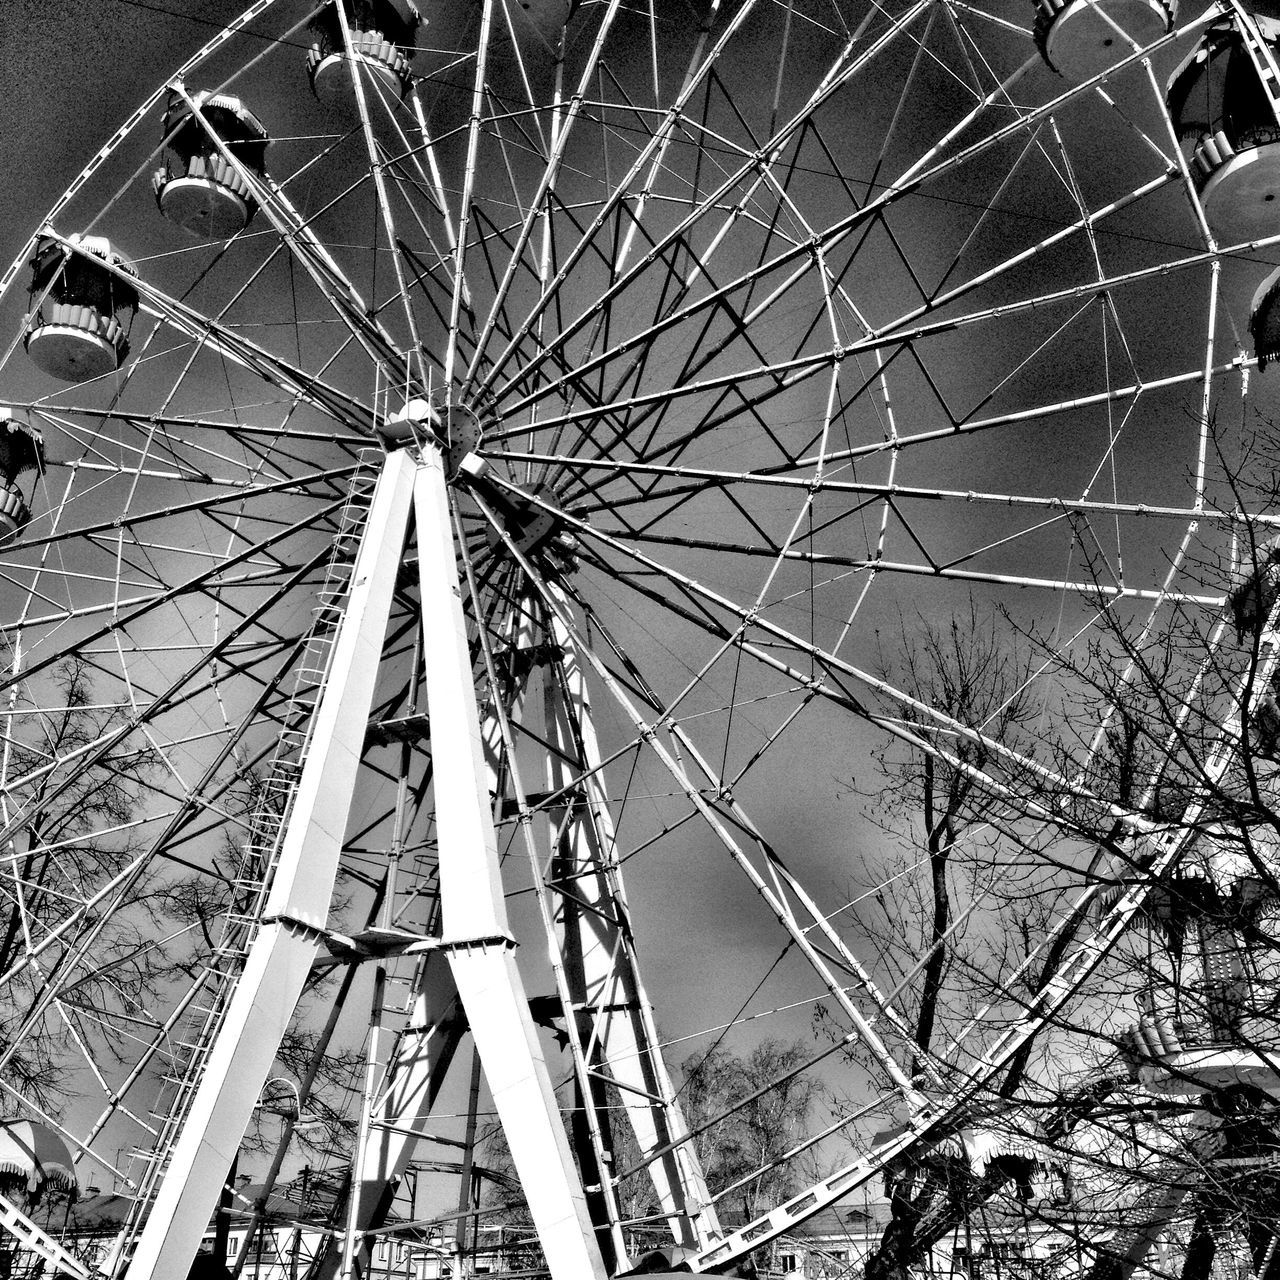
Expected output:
(445, 585)
(609, 995)
(421, 1059)
(417, 1071)
(30, 1235)
(474, 912)
(280, 957)
(478, 944)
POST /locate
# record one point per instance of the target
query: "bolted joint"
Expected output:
(533, 530)
(418, 422)
(462, 462)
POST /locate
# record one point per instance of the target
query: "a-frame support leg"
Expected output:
(480, 948)
(414, 1078)
(474, 911)
(421, 1059)
(280, 956)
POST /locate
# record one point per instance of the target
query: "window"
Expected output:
(787, 1262)
(1003, 1250)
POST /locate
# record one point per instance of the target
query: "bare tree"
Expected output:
(746, 1112)
(743, 1153)
(1147, 814)
(70, 826)
(942, 830)
(929, 804)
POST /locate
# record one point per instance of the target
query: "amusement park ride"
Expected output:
(479, 478)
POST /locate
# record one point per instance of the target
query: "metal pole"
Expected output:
(479, 945)
(617, 1027)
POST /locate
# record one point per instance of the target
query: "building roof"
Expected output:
(839, 1220)
(88, 1214)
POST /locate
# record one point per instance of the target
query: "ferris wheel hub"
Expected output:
(534, 531)
(1082, 38)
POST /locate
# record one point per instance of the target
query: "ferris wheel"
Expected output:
(461, 468)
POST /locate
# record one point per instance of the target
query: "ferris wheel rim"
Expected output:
(491, 450)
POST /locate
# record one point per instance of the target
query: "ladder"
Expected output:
(35, 1240)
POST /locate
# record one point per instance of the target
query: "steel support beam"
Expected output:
(423, 1053)
(281, 954)
(615, 1017)
(415, 1075)
(472, 906)
(477, 945)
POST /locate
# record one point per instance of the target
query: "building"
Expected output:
(291, 1235)
(1014, 1246)
(293, 1232)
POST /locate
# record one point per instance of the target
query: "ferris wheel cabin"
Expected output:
(1225, 101)
(79, 290)
(1210, 905)
(21, 450)
(1255, 588)
(197, 187)
(1081, 38)
(1206, 904)
(382, 40)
